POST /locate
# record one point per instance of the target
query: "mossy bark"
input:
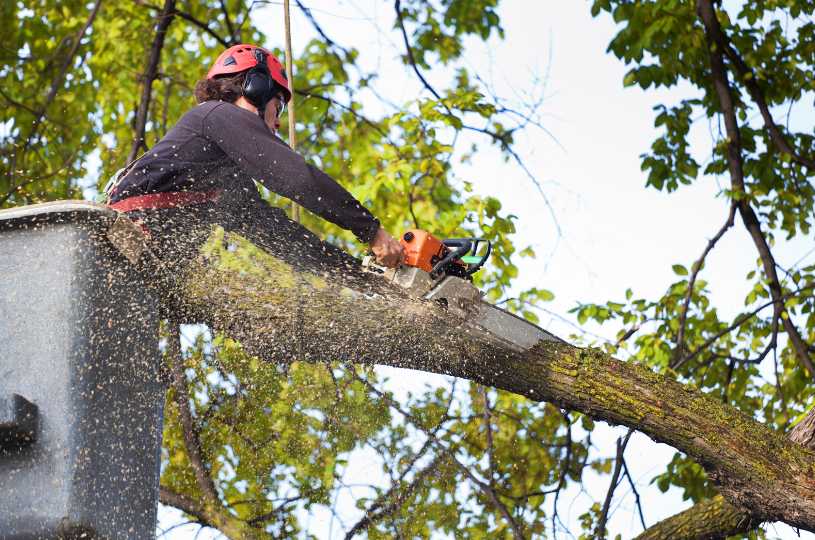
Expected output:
(713, 519)
(281, 317)
(716, 518)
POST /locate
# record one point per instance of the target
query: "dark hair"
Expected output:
(222, 88)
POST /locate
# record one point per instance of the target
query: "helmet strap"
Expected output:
(262, 111)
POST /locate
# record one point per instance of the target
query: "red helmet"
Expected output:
(242, 57)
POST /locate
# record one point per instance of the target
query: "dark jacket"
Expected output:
(221, 146)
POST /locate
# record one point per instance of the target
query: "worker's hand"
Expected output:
(387, 249)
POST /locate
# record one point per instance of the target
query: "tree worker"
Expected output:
(203, 172)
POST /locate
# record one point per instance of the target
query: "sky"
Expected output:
(615, 233)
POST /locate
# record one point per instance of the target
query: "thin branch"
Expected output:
(166, 107)
(770, 347)
(369, 518)
(398, 7)
(146, 5)
(600, 532)
(728, 380)
(628, 333)
(402, 496)
(319, 29)
(210, 515)
(680, 339)
(202, 26)
(182, 400)
(18, 187)
(28, 109)
(63, 70)
(749, 79)
(164, 19)
(780, 391)
(260, 519)
(636, 493)
(490, 493)
(564, 469)
(227, 20)
(488, 431)
(738, 322)
(713, 32)
(526, 170)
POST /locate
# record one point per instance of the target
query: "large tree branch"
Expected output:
(716, 518)
(756, 469)
(712, 519)
(707, 13)
(163, 21)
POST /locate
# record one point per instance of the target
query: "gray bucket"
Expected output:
(81, 398)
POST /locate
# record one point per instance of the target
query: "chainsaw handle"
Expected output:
(472, 268)
(451, 257)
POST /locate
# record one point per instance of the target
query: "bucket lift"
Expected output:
(81, 396)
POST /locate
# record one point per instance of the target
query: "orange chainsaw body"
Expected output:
(422, 249)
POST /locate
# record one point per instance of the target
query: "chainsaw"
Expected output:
(441, 271)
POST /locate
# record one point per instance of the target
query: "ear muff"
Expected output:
(257, 88)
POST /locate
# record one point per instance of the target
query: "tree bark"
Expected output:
(764, 475)
(715, 518)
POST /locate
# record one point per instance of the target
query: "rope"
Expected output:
(295, 208)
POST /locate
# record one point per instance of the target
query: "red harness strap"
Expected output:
(167, 200)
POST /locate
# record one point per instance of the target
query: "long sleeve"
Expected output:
(258, 153)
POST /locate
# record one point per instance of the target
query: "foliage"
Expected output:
(277, 441)
(461, 458)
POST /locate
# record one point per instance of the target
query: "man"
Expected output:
(203, 170)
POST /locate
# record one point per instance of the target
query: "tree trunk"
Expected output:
(283, 317)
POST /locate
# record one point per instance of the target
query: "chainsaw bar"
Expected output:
(510, 327)
(459, 298)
